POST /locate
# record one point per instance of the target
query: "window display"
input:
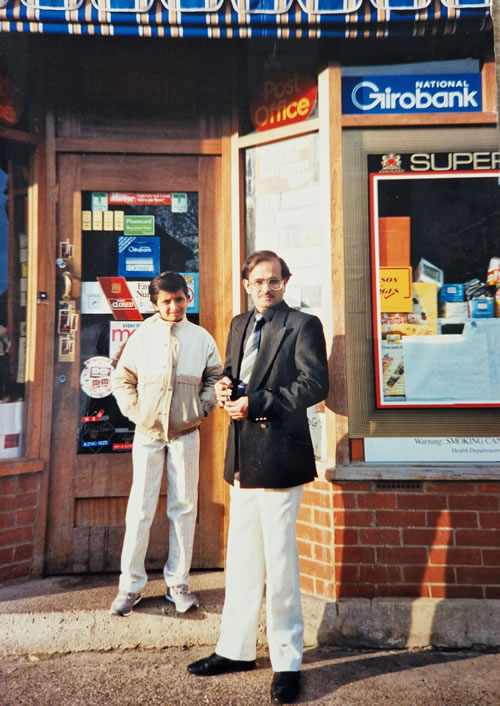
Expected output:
(435, 255)
(13, 298)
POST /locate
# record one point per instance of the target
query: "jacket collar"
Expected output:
(158, 321)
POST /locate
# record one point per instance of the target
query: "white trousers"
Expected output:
(262, 551)
(148, 457)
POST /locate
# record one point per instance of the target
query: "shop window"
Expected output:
(14, 175)
(284, 214)
(61, 5)
(435, 276)
(422, 213)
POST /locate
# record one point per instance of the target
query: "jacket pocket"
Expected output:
(147, 410)
(186, 409)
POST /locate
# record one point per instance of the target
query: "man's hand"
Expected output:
(237, 409)
(223, 390)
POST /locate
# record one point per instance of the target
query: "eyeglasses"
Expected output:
(273, 283)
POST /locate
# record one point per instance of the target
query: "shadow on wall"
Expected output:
(396, 548)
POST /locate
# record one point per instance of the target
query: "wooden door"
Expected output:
(89, 485)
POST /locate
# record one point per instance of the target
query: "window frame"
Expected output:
(364, 418)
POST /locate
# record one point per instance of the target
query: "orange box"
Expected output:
(394, 241)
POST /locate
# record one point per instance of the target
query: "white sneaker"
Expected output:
(182, 598)
(124, 603)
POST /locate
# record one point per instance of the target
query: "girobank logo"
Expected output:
(450, 93)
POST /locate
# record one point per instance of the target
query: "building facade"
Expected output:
(359, 141)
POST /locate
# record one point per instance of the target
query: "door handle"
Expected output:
(68, 283)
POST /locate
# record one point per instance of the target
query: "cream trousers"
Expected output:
(148, 456)
(262, 551)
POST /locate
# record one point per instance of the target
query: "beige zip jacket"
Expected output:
(164, 379)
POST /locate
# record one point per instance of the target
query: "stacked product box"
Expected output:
(452, 304)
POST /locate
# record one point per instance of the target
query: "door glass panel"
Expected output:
(127, 239)
(13, 293)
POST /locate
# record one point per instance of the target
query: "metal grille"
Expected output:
(398, 485)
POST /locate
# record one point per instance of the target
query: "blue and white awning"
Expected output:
(246, 18)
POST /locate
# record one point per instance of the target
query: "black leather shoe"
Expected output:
(215, 664)
(285, 687)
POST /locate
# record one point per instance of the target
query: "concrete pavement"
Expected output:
(60, 647)
(71, 614)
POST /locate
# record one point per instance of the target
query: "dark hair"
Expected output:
(263, 256)
(167, 282)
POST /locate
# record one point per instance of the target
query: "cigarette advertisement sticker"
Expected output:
(123, 306)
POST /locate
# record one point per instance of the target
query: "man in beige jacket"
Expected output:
(164, 383)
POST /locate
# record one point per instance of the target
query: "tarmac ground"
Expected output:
(60, 647)
(336, 678)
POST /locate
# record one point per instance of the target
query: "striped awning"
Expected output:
(247, 18)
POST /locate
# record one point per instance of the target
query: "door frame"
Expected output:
(77, 172)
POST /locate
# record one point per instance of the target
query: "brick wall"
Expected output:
(19, 502)
(429, 539)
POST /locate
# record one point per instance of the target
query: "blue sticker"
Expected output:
(192, 280)
(138, 257)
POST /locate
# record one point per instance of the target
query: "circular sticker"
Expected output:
(95, 379)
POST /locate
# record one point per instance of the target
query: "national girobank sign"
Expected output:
(434, 93)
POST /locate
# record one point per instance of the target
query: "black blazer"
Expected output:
(273, 448)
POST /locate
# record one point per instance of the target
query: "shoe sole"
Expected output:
(119, 613)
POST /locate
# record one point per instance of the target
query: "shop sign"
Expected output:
(470, 449)
(282, 99)
(435, 93)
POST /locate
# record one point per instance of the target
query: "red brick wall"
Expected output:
(436, 540)
(19, 501)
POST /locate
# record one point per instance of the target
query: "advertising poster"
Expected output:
(435, 279)
(134, 237)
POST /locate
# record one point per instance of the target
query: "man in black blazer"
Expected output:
(269, 457)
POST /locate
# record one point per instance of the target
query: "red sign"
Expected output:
(283, 98)
(119, 298)
(11, 103)
(149, 199)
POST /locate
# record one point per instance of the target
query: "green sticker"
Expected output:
(99, 200)
(139, 225)
(179, 202)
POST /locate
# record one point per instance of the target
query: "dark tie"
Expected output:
(250, 353)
